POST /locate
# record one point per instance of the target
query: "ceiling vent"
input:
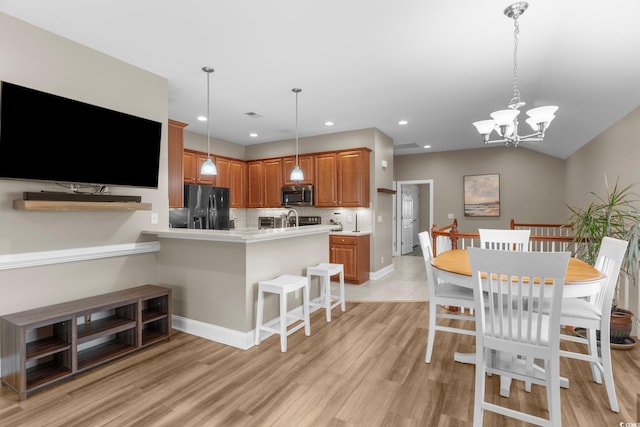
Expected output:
(406, 146)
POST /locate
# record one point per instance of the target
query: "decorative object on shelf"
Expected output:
(296, 173)
(208, 167)
(482, 195)
(505, 122)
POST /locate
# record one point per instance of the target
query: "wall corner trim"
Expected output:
(34, 259)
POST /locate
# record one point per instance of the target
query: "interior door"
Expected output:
(407, 222)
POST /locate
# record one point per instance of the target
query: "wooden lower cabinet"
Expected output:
(48, 344)
(353, 253)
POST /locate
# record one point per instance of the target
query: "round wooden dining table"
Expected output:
(581, 280)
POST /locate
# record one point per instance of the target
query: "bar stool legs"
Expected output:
(324, 271)
(283, 285)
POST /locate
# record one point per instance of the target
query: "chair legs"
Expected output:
(607, 370)
(432, 332)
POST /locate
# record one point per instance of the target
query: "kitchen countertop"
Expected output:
(240, 235)
(349, 233)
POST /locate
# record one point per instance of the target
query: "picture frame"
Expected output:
(482, 195)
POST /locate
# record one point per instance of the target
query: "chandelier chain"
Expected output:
(515, 101)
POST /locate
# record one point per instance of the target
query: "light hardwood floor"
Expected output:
(365, 368)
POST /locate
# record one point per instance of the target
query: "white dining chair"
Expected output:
(595, 314)
(508, 328)
(504, 240)
(443, 293)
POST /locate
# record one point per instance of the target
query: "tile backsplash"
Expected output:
(248, 218)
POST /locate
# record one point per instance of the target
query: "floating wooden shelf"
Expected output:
(48, 205)
(386, 191)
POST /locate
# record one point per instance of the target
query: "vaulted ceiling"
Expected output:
(439, 65)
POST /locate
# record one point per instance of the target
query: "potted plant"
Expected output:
(613, 215)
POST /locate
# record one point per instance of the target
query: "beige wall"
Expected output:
(615, 154)
(531, 184)
(36, 58)
(219, 147)
(382, 232)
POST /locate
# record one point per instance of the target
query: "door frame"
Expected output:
(396, 249)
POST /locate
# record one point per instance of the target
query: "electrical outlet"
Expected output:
(451, 216)
(381, 260)
(379, 218)
(154, 217)
(349, 218)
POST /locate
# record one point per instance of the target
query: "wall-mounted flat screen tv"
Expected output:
(47, 137)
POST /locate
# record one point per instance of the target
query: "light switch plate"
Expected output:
(154, 217)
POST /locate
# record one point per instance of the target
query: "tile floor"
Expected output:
(407, 282)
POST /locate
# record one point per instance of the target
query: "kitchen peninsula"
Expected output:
(214, 275)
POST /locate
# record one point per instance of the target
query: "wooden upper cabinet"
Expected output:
(203, 179)
(238, 187)
(175, 172)
(273, 183)
(189, 167)
(342, 178)
(223, 179)
(353, 178)
(255, 172)
(305, 162)
(325, 180)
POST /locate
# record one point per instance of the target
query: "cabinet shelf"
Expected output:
(101, 353)
(46, 347)
(45, 373)
(151, 316)
(48, 205)
(98, 328)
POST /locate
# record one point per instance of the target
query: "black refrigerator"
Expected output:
(208, 206)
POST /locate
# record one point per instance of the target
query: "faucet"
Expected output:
(288, 213)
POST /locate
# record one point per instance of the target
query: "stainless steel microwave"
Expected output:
(297, 195)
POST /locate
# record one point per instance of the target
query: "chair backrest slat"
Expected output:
(513, 281)
(504, 240)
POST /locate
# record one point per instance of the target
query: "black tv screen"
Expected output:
(51, 138)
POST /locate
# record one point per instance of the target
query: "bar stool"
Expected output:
(283, 285)
(325, 271)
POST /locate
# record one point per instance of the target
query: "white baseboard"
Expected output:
(226, 336)
(241, 340)
(376, 275)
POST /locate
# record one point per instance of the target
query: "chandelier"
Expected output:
(505, 122)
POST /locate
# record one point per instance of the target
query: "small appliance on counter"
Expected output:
(208, 206)
(270, 222)
(336, 222)
(305, 220)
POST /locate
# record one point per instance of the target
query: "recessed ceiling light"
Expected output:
(202, 118)
(328, 123)
(402, 122)
(253, 135)
(427, 146)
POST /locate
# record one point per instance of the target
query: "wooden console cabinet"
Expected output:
(353, 253)
(48, 344)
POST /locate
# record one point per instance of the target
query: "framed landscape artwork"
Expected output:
(482, 195)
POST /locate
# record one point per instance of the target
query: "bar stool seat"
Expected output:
(325, 270)
(283, 285)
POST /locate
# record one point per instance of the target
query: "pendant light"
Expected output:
(208, 167)
(296, 173)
